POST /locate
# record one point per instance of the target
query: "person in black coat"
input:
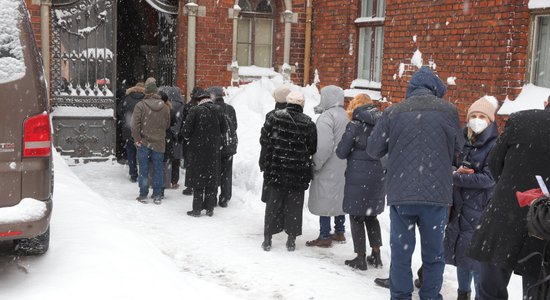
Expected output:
(501, 239)
(290, 139)
(473, 186)
(202, 130)
(193, 101)
(279, 94)
(133, 96)
(229, 143)
(364, 188)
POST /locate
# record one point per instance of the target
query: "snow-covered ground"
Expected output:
(106, 245)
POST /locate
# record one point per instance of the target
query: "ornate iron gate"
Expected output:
(83, 76)
(166, 73)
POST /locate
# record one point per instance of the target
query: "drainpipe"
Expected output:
(287, 17)
(192, 10)
(307, 52)
(45, 6)
(234, 65)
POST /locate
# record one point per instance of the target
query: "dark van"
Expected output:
(26, 173)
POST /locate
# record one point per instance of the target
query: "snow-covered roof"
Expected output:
(12, 63)
(533, 4)
(531, 97)
(72, 111)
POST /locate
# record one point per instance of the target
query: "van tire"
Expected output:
(34, 246)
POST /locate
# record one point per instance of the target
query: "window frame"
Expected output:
(253, 16)
(533, 42)
(375, 21)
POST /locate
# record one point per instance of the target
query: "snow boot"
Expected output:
(383, 282)
(418, 281)
(209, 212)
(463, 296)
(358, 262)
(142, 199)
(266, 244)
(157, 200)
(187, 191)
(291, 243)
(223, 203)
(323, 243)
(338, 237)
(194, 213)
(374, 259)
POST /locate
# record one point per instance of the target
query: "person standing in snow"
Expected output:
(279, 94)
(501, 240)
(229, 143)
(326, 194)
(150, 120)
(364, 189)
(289, 138)
(421, 136)
(202, 130)
(473, 187)
(192, 102)
(176, 154)
(133, 96)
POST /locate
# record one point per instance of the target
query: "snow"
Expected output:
(101, 237)
(12, 63)
(401, 69)
(27, 210)
(531, 97)
(414, 38)
(451, 80)
(96, 52)
(416, 59)
(316, 79)
(363, 83)
(533, 4)
(374, 95)
(255, 71)
(369, 19)
(74, 111)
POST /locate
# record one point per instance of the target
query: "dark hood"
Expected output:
(154, 102)
(424, 82)
(490, 133)
(173, 93)
(367, 114)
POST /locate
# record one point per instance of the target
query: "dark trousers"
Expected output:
(131, 153)
(494, 282)
(283, 211)
(176, 163)
(204, 198)
(431, 221)
(358, 225)
(226, 178)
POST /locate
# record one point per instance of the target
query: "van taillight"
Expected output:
(37, 136)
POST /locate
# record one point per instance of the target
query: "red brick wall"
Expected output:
(34, 12)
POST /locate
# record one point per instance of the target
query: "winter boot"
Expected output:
(291, 243)
(157, 200)
(266, 245)
(463, 296)
(187, 191)
(358, 262)
(319, 242)
(383, 282)
(209, 212)
(418, 282)
(223, 203)
(374, 259)
(338, 237)
(142, 199)
(194, 213)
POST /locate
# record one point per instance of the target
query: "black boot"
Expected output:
(383, 282)
(266, 245)
(374, 259)
(357, 263)
(291, 243)
(194, 213)
(187, 191)
(418, 282)
(463, 296)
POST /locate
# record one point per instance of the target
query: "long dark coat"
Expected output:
(230, 135)
(364, 190)
(471, 193)
(202, 130)
(522, 152)
(174, 93)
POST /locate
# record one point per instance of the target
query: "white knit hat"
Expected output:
(280, 93)
(295, 98)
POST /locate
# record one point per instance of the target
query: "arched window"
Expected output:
(255, 33)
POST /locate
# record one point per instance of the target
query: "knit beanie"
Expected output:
(295, 98)
(280, 93)
(150, 86)
(486, 105)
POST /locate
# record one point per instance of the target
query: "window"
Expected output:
(541, 54)
(371, 39)
(255, 33)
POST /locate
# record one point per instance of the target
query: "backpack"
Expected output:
(229, 135)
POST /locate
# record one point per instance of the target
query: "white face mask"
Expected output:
(477, 125)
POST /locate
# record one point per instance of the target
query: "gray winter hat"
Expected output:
(215, 92)
(280, 93)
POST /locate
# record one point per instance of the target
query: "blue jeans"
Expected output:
(324, 223)
(464, 277)
(131, 152)
(431, 220)
(144, 155)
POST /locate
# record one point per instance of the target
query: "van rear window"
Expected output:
(12, 63)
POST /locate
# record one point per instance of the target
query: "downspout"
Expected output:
(288, 26)
(234, 65)
(45, 6)
(192, 10)
(307, 50)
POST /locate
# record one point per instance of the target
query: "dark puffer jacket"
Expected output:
(364, 190)
(290, 139)
(133, 96)
(521, 152)
(471, 193)
(421, 136)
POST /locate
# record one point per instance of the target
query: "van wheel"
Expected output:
(34, 246)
